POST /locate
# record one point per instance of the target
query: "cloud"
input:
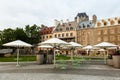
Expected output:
(18, 13)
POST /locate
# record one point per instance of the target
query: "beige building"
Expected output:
(84, 31)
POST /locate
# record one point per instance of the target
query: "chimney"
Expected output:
(67, 20)
(61, 22)
(94, 17)
(78, 19)
(56, 22)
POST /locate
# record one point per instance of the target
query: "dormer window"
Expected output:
(71, 28)
(79, 26)
(105, 23)
(69, 24)
(63, 24)
(88, 26)
(119, 21)
(57, 30)
(112, 22)
(98, 24)
(67, 28)
(60, 29)
(83, 26)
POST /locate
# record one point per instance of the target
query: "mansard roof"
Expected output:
(66, 26)
(85, 24)
(81, 15)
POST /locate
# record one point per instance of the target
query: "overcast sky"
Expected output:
(18, 13)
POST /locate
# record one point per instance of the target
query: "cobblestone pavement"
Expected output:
(32, 71)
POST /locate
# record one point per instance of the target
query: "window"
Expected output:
(88, 26)
(71, 28)
(118, 30)
(112, 22)
(43, 37)
(71, 34)
(66, 34)
(105, 23)
(62, 34)
(79, 26)
(99, 32)
(104, 31)
(105, 38)
(98, 24)
(69, 24)
(99, 39)
(57, 30)
(58, 35)
(50, 36)
(112, 38)
(118, 37)
(112, 31)
(118, 21)
(60, 29)
(67, 28)
(83, 26)
(55, 35)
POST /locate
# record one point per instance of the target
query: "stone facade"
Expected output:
(85, 31)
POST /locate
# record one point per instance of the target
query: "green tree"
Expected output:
(20, 34)
(32, 33)
(1, 33)
(8, 35)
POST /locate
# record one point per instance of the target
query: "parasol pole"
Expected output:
(54, 55)
(17, 57)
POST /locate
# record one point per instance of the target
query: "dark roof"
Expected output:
(81, 15)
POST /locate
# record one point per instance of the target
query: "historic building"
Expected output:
(46, 33)
(84, 31)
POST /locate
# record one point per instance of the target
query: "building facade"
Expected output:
(85, 31)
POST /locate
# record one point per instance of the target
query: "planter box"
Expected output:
(40, 59)
(50, 59)
(116, 61)
(110, 62)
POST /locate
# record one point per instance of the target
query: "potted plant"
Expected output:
(110, 60)
(116, 59)
(50, 56)
(40, 57)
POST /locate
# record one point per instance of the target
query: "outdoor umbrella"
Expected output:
(18, 44)
(105, 45)
(74, 45)
(45, 46)
(89, 48)
(55, 42)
